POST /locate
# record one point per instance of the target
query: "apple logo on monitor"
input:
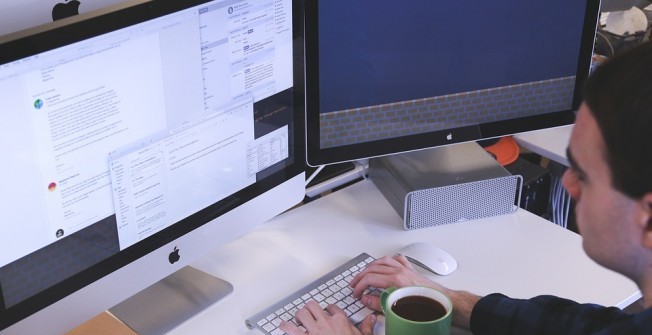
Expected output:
(174, 256)
(65, 9)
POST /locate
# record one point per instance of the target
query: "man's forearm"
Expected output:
(463, 303)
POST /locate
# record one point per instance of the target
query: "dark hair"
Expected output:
(619, 95)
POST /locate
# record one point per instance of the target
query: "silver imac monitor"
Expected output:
(138, 140)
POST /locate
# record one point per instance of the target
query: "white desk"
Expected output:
(550, 143)
(519, 254)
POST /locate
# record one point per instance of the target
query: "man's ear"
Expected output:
(646, 219)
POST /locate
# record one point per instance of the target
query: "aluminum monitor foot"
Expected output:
(168, 303)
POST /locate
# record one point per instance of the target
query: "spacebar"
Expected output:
(360, 315)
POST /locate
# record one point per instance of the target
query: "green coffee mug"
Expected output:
(416, 310)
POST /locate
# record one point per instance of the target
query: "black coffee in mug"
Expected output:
(418, 308)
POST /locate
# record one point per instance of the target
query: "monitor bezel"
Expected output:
(316, 155)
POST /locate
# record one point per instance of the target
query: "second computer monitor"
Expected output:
(386, 77)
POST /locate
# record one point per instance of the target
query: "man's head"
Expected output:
(611, 160)
(619, 95)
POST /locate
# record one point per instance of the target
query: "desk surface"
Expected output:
(550, 143)
(519, 254)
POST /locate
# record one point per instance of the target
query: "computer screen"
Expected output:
(164, 127)
(384, 77)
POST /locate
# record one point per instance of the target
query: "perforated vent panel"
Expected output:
(462, 202)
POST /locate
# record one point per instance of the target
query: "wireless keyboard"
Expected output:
(331, 288)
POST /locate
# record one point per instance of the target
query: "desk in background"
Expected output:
(550, 143)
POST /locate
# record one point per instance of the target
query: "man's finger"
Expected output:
(334, 309)
(290, 328)
(372, 302)
(367, 324)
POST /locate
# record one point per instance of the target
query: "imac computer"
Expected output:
(385, 77)
(136, 140)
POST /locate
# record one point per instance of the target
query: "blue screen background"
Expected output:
(373, 52)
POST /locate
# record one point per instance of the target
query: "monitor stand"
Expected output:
(171, 301)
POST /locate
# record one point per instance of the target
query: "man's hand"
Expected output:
(397, 271)
(331, 321)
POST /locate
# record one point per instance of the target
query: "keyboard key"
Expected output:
(348, 300)
(327, 292)
(269, 327)
(353, 308)
(360, 315)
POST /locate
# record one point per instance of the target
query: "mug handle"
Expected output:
(383, 298)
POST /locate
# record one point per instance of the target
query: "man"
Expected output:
(611, 182)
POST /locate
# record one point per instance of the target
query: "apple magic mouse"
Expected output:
(429, 257)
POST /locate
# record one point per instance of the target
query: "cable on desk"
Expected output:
(314, 174)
